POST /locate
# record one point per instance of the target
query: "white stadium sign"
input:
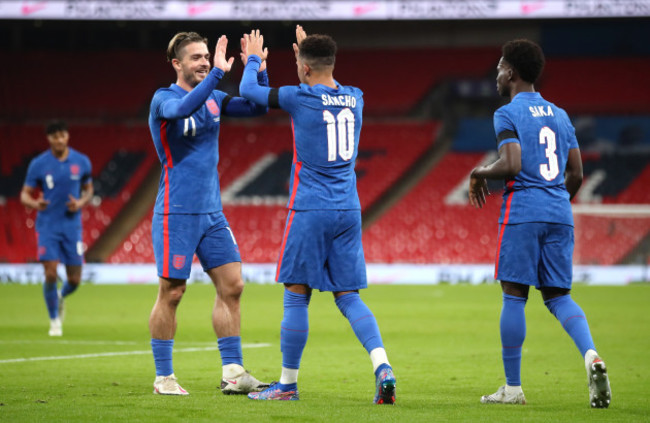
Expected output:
(320, 10)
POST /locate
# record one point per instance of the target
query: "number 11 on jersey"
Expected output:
(344, 121)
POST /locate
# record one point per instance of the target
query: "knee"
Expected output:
(50, 275)
(74, 280)
(174, 295)
(231, 289)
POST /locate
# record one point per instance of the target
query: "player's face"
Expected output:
(503, 78)
(58, 141)
(194, 63)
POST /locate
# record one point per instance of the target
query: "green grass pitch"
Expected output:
(443, 342)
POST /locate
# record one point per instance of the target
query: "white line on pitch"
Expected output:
(118, 353)
(82, 342)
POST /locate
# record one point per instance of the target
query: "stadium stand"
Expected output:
(254, 210)
(121, 156)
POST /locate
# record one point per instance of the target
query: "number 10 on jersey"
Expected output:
(343, 126)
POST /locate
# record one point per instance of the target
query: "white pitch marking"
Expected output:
(117, 353)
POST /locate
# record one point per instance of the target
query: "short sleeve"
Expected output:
(32, 178)
(571, 133)
(288, 98)
(504, 128)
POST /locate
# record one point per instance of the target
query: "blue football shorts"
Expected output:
(536, 254)
(63, 246)
(176, 237)
(322, 249)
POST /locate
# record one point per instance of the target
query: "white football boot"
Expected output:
(242, 384)
(502, 396)
(55, 327)
(600, 394)
(167, 385)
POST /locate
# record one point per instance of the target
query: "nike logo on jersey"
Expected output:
(540, 111)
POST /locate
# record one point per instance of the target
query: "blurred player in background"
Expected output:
(539, 159)
(188, 218)
(321, 247)
(63, 176)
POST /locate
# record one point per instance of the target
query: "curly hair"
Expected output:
(55, 126)
(526, 57)
(180, 40)
(319, 51)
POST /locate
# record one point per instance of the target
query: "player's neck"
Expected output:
(521, 88)
(184, 85)
(327, 80)
(62, 155)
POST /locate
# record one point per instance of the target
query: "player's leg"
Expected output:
(49, 255)
(219, 256)
(162, 327)
(303, 251)
(294, 331)
(172, 247)
(72, 257)
(51, 295)
(72, 251)
(346, 272)
(512, 327)
(556, 278)
(517, 257)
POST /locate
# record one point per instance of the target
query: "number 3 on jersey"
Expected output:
(548, 171)
(345, 123)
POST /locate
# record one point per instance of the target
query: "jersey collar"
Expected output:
(528, 96)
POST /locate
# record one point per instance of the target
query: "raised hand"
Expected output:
(300, 35)
(245, 51)
(220, 55)
(255, 44)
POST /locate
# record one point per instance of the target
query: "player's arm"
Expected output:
(75, 204)
(507, 166)
(180, 108)
(27, 198)
(249, 86)
(573, 173)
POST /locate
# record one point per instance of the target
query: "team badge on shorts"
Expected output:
(178, 261)
(212, 106)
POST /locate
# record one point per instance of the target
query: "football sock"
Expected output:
(513, 333)
(573, 320)
(68, 289)
(230, 350)
(361, 319)
(162, 356)
(378, 357)
(294, 330)
(51, 299)
(289, 376)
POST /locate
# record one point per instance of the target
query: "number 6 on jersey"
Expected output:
(345, 120)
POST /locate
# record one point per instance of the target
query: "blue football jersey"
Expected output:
(544, 131)
(58, 180)
(185, 131)
(326, 125)
(188, 150)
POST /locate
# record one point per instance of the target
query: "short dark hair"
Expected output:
(180, 40)
(526, 57)
(55, 126)
(319, 51)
